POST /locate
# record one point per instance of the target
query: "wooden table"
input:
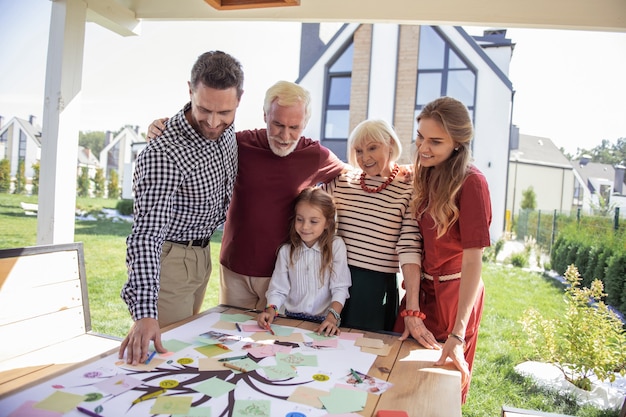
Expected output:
(418, 388)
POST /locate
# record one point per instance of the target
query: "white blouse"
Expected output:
(298, 287)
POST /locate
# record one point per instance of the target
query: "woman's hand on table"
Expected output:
(453, 349)
(415, 327)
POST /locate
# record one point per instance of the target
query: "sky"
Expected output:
(569, 85)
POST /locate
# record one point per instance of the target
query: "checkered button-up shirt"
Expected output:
(183, 184)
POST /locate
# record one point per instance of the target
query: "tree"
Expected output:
(99, 183)
(114, 185)
(20, 178)
(92, 140)
(529, 199)
(83, 182)
(5, 176)
(35, 182)
(606, 152)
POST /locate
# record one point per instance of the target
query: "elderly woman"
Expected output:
(375, 222)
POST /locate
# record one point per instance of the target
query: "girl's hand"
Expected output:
(328, 328)
(156, 129)
(453, 349)
(414, 326)
(264, 319)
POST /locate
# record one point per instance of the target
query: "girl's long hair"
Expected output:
(436, 188)
(324, 202)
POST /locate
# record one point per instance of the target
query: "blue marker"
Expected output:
(150, 357)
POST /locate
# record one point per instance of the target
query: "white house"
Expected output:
(594, 181)
(118, 154)
(20, 140)
(536, 162)
(390, 71)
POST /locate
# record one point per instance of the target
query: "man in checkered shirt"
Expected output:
(183, 183)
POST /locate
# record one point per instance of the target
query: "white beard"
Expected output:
(282, 152)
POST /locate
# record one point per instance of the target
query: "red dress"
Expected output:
(442, 257)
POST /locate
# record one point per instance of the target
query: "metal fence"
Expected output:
(544, 226)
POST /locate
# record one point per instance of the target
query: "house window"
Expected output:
(4, 141)
(337, 109)
(442, 71)
(22, 147)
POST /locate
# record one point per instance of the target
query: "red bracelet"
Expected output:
(415, 313)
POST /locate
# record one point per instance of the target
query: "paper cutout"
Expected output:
(343, 400)
(264, 351)
(296, 359)
(28, 410)
(214, 387)
(196, 412)
(368, 342)
(252, 328)
(60, 401)
(142, 366)
(210, 364)
(330, 343)
(279, 371)
(350, 335)
(166, 404)
(211, 350)
(118, 384)
(245, 364)
(248, 408)
(174, 345)
(383, 351)
(308, 396)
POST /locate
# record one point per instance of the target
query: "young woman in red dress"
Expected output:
(442, 309)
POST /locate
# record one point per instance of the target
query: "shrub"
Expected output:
(5, 175)
(588, 339)
(125, 207)
(519, 259)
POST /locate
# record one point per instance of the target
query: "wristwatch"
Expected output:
(334, 313)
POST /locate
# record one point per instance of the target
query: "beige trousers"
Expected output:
(242, 290)
(185, 273)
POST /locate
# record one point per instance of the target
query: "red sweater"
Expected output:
(257, 221)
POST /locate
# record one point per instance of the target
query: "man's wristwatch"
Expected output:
(334, 313)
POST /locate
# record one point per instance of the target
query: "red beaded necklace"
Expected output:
(382, 186)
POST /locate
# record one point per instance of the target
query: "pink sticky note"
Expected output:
(27, 410)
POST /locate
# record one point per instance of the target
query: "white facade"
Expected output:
(493, 101)
(10, 135)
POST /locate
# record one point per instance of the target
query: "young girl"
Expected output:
(453, 209)
(311, 276)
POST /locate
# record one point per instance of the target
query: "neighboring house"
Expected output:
(536, 162)
(118, 155)
(86, 159)
(595, 180)
(129, 168)
(391, 71)
(20, 139)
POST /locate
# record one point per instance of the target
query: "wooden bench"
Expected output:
(45, 324)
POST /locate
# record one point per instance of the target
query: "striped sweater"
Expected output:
(378, 228)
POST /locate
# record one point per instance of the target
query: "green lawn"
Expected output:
(509, 291)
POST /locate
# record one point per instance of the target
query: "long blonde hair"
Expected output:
(324, 202)
(436, 188)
